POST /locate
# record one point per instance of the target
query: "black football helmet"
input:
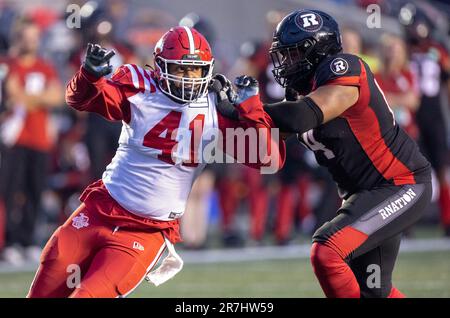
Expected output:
(300, 42)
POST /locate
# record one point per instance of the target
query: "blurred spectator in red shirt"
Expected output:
(398, 83)
(32, 90)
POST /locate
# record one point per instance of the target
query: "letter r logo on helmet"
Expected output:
(308, 21)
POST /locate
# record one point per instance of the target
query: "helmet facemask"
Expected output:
(184, 89)
(292, 63)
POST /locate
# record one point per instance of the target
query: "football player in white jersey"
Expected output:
(128, 218)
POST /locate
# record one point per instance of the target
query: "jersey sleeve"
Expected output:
(270, 149)
(343, 69)
(108, 98)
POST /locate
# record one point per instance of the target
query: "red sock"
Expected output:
(335, 276)
(395, 293)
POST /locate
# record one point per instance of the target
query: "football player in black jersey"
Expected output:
(337, 110)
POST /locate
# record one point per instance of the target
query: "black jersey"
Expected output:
(363, 148)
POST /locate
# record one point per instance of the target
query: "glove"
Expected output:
(291, 94)
(225, 96)
(97, 60)
(247, 87)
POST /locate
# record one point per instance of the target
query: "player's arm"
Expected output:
(88, 90)
(336, 89)
(247, 113)
(324, 104)
(333, 100)
(51, 96)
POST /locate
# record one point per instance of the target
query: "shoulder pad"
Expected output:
(134, 77)
(341, 69)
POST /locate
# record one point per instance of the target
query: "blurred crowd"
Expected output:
(49, 153)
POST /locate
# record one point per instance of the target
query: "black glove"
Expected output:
(97, 60)
(291, 94)
(225, 94)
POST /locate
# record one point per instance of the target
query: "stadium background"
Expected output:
(245, 235)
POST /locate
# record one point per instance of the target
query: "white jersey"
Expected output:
(141, 176)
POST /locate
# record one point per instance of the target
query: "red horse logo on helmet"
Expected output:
(183, 46)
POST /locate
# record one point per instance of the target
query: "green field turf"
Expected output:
(417, 275)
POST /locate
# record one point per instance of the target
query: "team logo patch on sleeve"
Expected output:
(80, 221)
(339, 66)
(308, 21)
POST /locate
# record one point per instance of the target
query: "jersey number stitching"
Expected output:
(160, 137)
(314, 145)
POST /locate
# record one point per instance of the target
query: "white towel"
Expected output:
(169, 267)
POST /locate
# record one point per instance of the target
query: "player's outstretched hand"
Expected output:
(97, 61)
(225, 96)
(247, 87)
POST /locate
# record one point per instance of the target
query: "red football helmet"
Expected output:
(183, 46)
